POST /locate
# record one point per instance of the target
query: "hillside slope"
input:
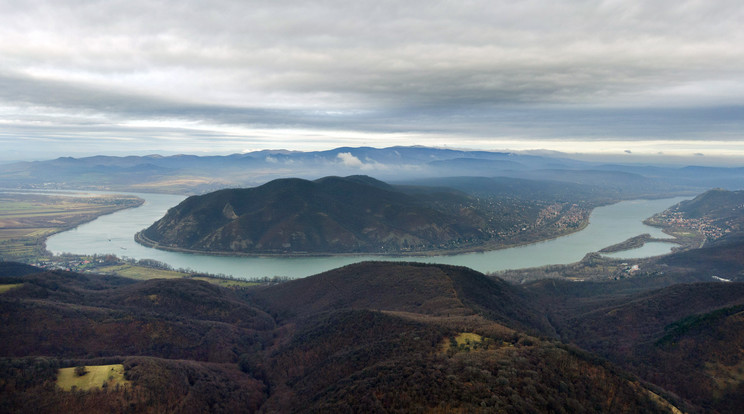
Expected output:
(329, 215)
(361, 338)
(686, 338)
(435, 290)
(390, 337)
(716, 204)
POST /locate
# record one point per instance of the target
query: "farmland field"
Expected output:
(27, 219)
(139, 272)
(146, 273)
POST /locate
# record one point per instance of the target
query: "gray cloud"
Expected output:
(530, 69)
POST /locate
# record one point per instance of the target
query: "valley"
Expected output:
(397, 207)
(548, 326)
(398, 336)
(114, 235)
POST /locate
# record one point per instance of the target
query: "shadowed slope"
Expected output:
(372, 337)
(75, 315)
(332, 214)
(686, 338)
(437, 290)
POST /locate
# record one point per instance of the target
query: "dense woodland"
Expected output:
(391, 337)
(295, 216)
(380, 337)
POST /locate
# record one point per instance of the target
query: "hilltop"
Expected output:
(463, 342)
(434, 290)
(390, 336)
(355, 214)
(191, 174)
(718, 204)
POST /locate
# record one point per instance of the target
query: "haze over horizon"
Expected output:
(616, 79)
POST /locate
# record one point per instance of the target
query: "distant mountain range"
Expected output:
(191, 174)
(385, 336)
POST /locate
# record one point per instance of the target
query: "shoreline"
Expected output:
(53, 223)
(43, 240)
(480, 261)
(492, 258)
(637, 242)
(140, 238)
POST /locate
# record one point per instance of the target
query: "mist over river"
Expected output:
(114, 234)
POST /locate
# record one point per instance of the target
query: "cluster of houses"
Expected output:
(572, 218)
(705, 226)
(569, 216)
(74, 263)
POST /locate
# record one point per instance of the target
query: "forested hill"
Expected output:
(405, 287)
(716, 204)
(190, 174)
(355, 214)
(459, 343)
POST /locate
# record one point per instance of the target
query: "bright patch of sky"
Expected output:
(623, 77)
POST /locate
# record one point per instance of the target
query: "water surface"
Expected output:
(114, 234)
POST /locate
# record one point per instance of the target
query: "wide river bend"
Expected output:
(608, 225)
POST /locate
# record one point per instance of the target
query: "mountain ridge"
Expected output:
(191, 174)
(391, 352)
(355, 214)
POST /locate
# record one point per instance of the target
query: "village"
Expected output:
(676, 221)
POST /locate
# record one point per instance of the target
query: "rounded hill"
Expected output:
(355, 214)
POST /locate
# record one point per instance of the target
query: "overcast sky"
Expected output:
(80, 77)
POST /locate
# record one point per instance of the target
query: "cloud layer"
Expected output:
(193, 71)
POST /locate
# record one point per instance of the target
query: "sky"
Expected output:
(620, 78)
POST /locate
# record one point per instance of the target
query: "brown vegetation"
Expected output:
(359, 338)
(356, 214)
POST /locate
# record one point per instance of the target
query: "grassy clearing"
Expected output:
(5, 288)
(230, 283)
(466, 338)
(140, 272)
(180, 185)
(464, 342)
(11, 234)
(146, 273)
(727, 378)
(664, 403)
(96, 377)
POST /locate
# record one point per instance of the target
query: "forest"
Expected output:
(362, 338)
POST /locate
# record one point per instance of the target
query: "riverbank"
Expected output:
(140, 238)
(115, 234)
(27, 220)
(638, 242)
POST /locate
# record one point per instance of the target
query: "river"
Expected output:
(114, 234)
